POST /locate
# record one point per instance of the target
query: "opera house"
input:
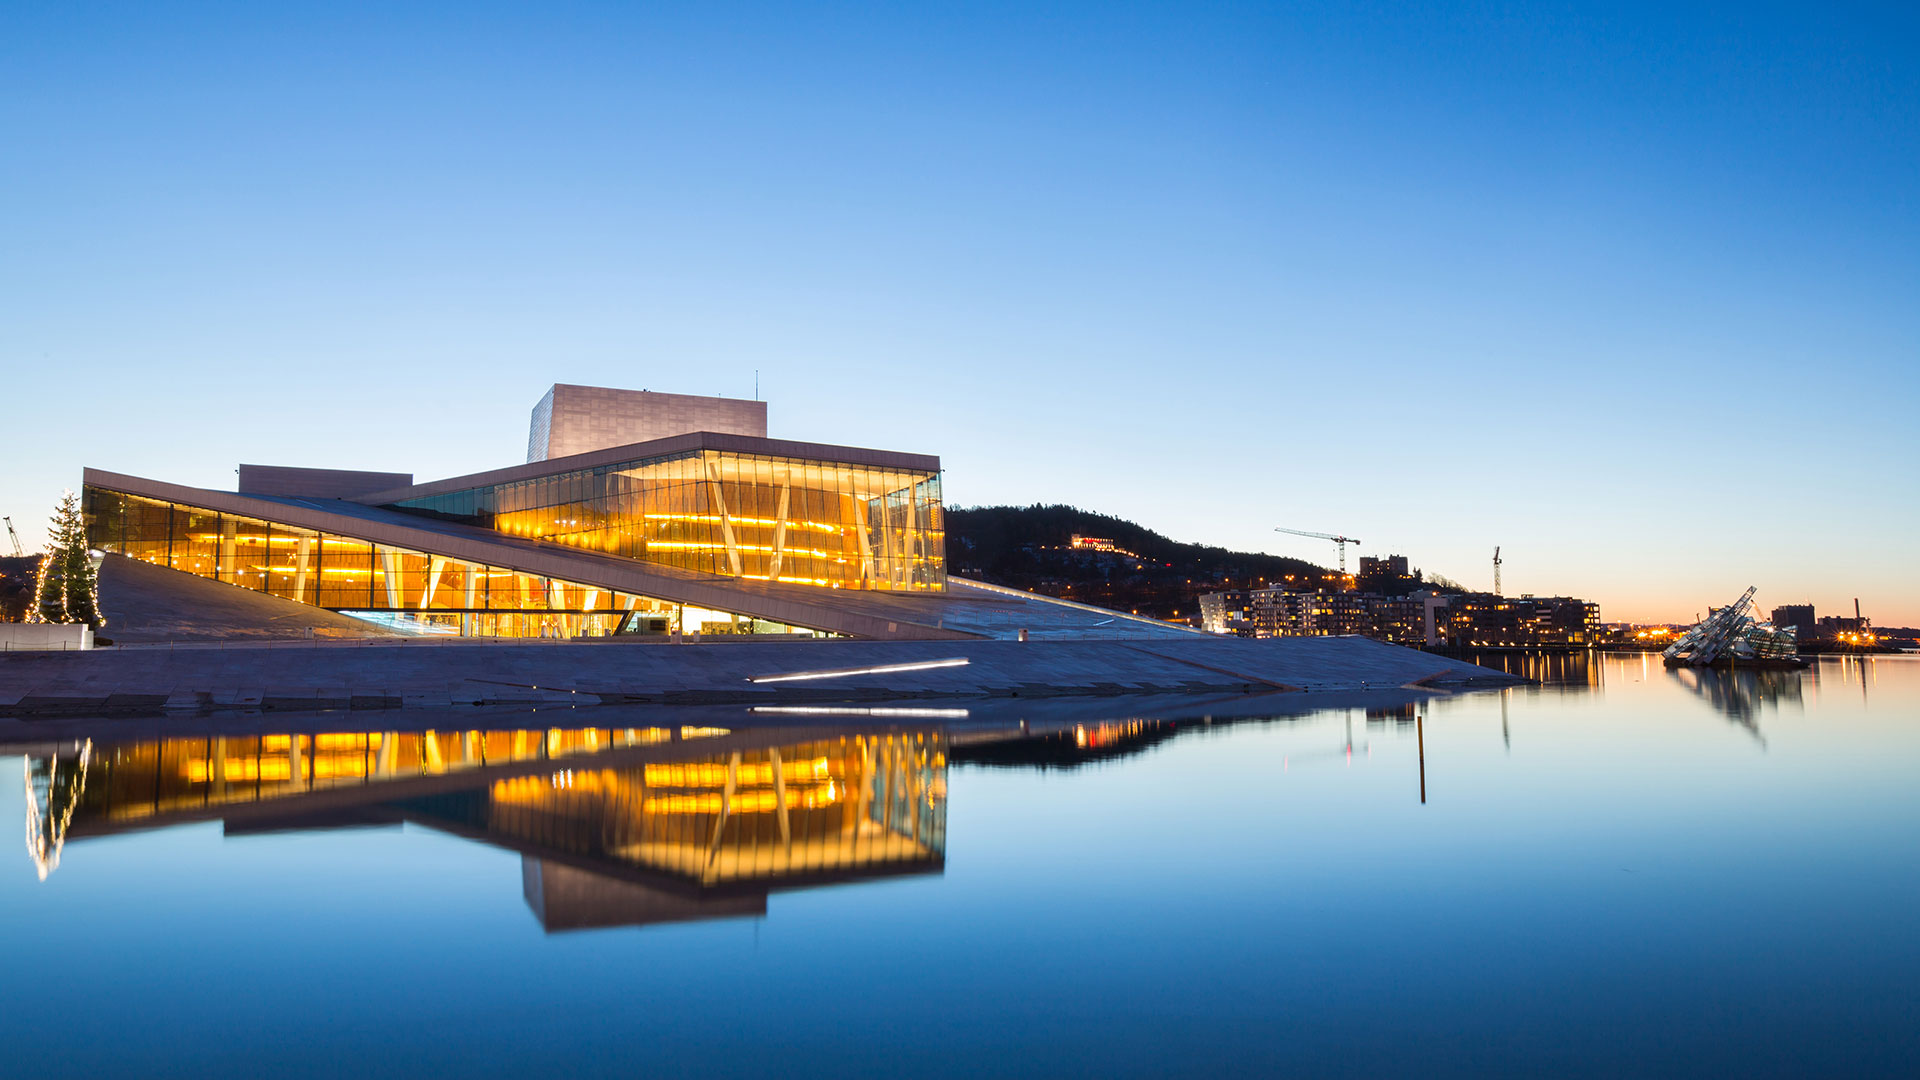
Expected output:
(635, 512)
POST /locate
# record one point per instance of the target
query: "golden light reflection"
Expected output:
(742, 811)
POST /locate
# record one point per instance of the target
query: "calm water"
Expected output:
(1623, 870)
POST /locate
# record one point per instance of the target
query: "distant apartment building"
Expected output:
(1227, 612)
(1424, 617)
(1797, 617)
(1385, 564)
(1278, 612)
(1485, 619)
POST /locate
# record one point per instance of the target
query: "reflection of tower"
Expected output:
(52, 793)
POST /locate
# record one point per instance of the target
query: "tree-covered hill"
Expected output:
(1030, 547)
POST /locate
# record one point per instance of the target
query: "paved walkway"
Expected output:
(379, 674)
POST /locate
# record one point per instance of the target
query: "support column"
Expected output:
(726, 523)
(302, 551)
(225, 565)
(436, 564)
(390, 565)
(780, 531)
(866, 543)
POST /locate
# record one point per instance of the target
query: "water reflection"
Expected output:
(1220, 886)
(614, 826)
(1743, 694)
(54, 785)
(1558, 669)
(1071, 747)
(1851, 670)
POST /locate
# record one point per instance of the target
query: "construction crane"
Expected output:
(1496, 570)
(15, 537)
(1343, 541)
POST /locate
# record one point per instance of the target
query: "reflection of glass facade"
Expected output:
(136, 780)
(741, 515)
(846, 804)
(410, 589)
(817, 807)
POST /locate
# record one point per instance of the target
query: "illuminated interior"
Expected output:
(762, 518)
(404, 590)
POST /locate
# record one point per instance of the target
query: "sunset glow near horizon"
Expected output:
(1629, 292)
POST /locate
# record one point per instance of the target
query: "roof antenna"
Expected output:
(756, 384)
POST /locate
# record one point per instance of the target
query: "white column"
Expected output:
(390, 564)
(435, 564)
(726, 523)
(302, 551)
(780, 531)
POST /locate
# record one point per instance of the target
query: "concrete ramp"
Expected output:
(451, 673)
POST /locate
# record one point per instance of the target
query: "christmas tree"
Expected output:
(68, 590)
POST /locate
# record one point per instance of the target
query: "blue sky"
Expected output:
(1630, 291)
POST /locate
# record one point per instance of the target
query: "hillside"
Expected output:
(1030, 547)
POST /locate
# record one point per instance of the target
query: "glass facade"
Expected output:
(408, 590)
(749, 516)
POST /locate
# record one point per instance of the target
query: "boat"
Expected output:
(1733, 637)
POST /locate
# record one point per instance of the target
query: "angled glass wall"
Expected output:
(406, 590)
(740, 515)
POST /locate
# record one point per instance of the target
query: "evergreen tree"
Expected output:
(68, 590)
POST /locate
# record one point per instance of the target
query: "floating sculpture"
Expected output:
(1732, 635)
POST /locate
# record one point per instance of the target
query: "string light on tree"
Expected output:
(67, 589)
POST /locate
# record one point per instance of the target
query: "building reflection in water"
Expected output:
(1071, 746)
(1580, 668)
(1742, 694)
(615, 826)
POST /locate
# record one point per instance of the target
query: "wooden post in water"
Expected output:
(1420, 735)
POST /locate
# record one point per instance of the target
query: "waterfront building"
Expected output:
(1280, 612)
(1424, 617)
(1485, 619)
(695, 531)
(1835, 625)
(1797, 617)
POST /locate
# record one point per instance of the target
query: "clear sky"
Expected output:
(1631, 291)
